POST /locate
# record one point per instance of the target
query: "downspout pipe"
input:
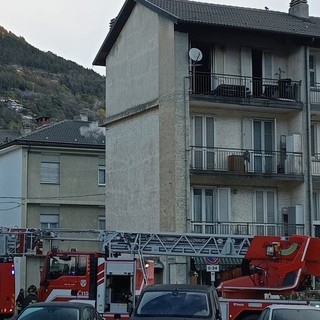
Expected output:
(308, 144)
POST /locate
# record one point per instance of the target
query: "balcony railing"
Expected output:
(247, 228)
(315, 164)
(315, 93)
(241, 160)
(223, 85)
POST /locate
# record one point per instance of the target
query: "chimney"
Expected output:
(81, 117)
(299, 8)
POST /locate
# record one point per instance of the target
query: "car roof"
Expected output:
(78, 305)
(291, 306)
(186, 287)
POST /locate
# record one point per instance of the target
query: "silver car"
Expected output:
(290, 312)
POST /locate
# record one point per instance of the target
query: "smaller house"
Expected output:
(54, 177)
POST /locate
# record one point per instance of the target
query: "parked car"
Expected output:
(60, 311)
(177, 301)
(290, 312)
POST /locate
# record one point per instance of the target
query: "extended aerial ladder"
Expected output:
(24, 242)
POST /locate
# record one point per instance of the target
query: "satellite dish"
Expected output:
(195, 54)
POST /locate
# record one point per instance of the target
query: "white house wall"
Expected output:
(133, 63)
(132, 176)
(11, 188)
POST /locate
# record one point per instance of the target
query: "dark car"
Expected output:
(178, 302)
(60, 311)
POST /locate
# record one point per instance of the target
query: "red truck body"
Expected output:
(7, 288)
(273, 267)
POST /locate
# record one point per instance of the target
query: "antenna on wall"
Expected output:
(195, 55)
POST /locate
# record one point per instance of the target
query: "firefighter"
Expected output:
(31, 297)
(19, 301)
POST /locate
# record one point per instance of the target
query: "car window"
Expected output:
(174, 303)
(296, 314)
(49, 313)
(264, 314)
(89, 313)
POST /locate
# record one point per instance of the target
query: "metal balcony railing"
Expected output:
(315, 93)
(247, 228)
(244, 160)
(315, 164)
(224, 85)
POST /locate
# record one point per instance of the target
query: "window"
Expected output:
(315, 139)
(259, 138)
(50, 169)
(312, 70)
(102, 176)
(59, 265)
(265, 212)
(101, 171)
(316, 205)
(49, 221)
(202, 143)
(102, 223)
(210, 205)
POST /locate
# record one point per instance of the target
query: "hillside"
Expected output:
(34, 83)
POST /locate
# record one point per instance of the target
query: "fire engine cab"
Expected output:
(110, 284)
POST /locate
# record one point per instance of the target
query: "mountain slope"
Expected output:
(44, 84)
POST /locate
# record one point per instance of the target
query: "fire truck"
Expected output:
(113, 278)
(7, 294)
(275, 269)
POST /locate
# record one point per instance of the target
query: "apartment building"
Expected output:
(213, 119)
(53, 177)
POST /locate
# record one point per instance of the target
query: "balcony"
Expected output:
(222, 86)
(245, 161)
(247, 228)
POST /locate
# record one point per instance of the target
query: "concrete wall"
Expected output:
(133, 63)
(132, 180)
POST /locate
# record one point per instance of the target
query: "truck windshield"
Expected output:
(174, 303)
(296, 314)
(66, 265)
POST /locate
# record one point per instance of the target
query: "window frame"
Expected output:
(102, 168)
(205, 223)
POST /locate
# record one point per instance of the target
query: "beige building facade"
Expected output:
(213, 123)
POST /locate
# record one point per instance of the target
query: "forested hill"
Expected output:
(34, 84)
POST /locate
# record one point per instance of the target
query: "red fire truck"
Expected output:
(7, 291)
(275, 270)
(273, 267)
(111, 284)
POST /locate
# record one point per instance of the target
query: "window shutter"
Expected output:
(224, 204)
(247, 127)
(246, 62)
(267, 65)
(50, 172)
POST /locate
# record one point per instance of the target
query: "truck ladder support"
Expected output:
(23, 241)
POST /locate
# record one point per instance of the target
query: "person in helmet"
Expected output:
(19, 301)
(31, 297)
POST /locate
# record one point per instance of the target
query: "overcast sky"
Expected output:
(75, 29)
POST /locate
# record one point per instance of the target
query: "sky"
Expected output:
(76, 29)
